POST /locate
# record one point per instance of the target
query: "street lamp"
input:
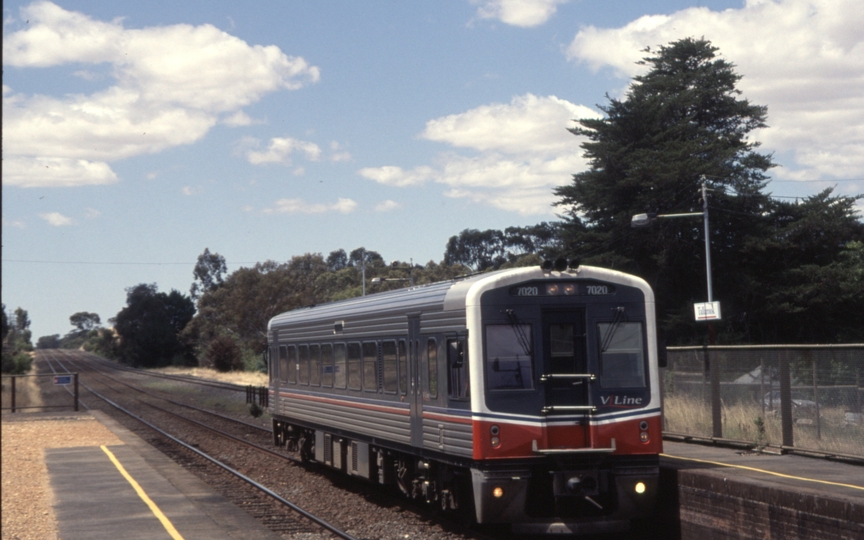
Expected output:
(711, 311)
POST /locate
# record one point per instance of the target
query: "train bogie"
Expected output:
(528, 397)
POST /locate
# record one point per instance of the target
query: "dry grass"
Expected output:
(693, 417)
(237, 377)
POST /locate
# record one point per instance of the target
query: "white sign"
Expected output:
(707, 311)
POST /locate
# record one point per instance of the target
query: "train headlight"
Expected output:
(640, 487)
(569, 289)
(497, 492)
(643, 436)
(553, 289)
(495, 441)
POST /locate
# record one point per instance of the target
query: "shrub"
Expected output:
(224, 354)
(17, 363)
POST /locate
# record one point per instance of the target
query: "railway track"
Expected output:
(198, 439)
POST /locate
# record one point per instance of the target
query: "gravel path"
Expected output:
(27, 511)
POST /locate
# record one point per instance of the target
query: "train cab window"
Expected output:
(457, 368)
(622, 358)
(340, 357)
(283, 363)
(430, 382)
(403, 368)
(314, 365)
(354, 359)
(327, 365)
(509, 357)
(389, 366)
(303, 364)
(370, 366)
(291, 366)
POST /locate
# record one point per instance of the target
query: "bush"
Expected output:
(224, 354)
(17, 363)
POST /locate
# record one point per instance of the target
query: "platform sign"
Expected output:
(63, 379)
(707, 311)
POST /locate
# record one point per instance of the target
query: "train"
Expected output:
(525, 397)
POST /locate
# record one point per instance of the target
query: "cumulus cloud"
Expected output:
(387, 206)
(280, 149)
(513, 154)
(56, 219)
(804, 59)
(171, 84)
(299, 206)
(524, 13)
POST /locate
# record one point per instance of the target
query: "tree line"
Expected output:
(784, 270)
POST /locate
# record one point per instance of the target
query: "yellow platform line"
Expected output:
(803, 479)
(153, 508)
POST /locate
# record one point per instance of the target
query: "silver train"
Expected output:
(526, 397)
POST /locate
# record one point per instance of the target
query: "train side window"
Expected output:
(430, 388)
(354, 360)
(509, 357)
(291, 368)
(403, 368)
(283, 363)
(390, 366)
(303, 365)
(370, 366)
(340, 356)
(622, 359)
(457, 363)
(271, 363)
(327, 365)
(314, 365)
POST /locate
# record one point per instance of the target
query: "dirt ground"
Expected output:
(237, 377)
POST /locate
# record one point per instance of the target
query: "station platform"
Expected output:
(132, 490)
(720, 492)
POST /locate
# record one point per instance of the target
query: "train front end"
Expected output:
(565, 401)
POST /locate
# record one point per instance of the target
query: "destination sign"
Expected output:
(562, 288)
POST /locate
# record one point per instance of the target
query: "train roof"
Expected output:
(444, 295)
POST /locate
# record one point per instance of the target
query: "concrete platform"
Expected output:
(94, 500)
(717, 492)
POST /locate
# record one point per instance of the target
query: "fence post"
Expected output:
(75, 376)
(816, 399)
(786, 399)
(716, 411)
(13, 392)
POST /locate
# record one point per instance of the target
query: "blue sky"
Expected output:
(136, 134)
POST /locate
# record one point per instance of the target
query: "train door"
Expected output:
(415, 390)
(566, 372)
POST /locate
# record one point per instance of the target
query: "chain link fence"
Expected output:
(806, 397)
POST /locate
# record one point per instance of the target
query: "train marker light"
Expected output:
(497, 492)
(640, 488)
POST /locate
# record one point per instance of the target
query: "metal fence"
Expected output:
(802, 397)
(41, 391)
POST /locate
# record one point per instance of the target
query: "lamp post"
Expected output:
(643, 220)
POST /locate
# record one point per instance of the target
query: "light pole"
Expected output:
(643, 220)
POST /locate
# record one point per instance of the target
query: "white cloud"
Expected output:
(171, 85)
(804, 59)
(191, 190)
(56, 219)
(280, 149)
(337, 154)
(387, 206)
(396, 176)
(91, 213)
(299, 206)
(239, 119)
(524, 13)
(27, 171)
(517, 153)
